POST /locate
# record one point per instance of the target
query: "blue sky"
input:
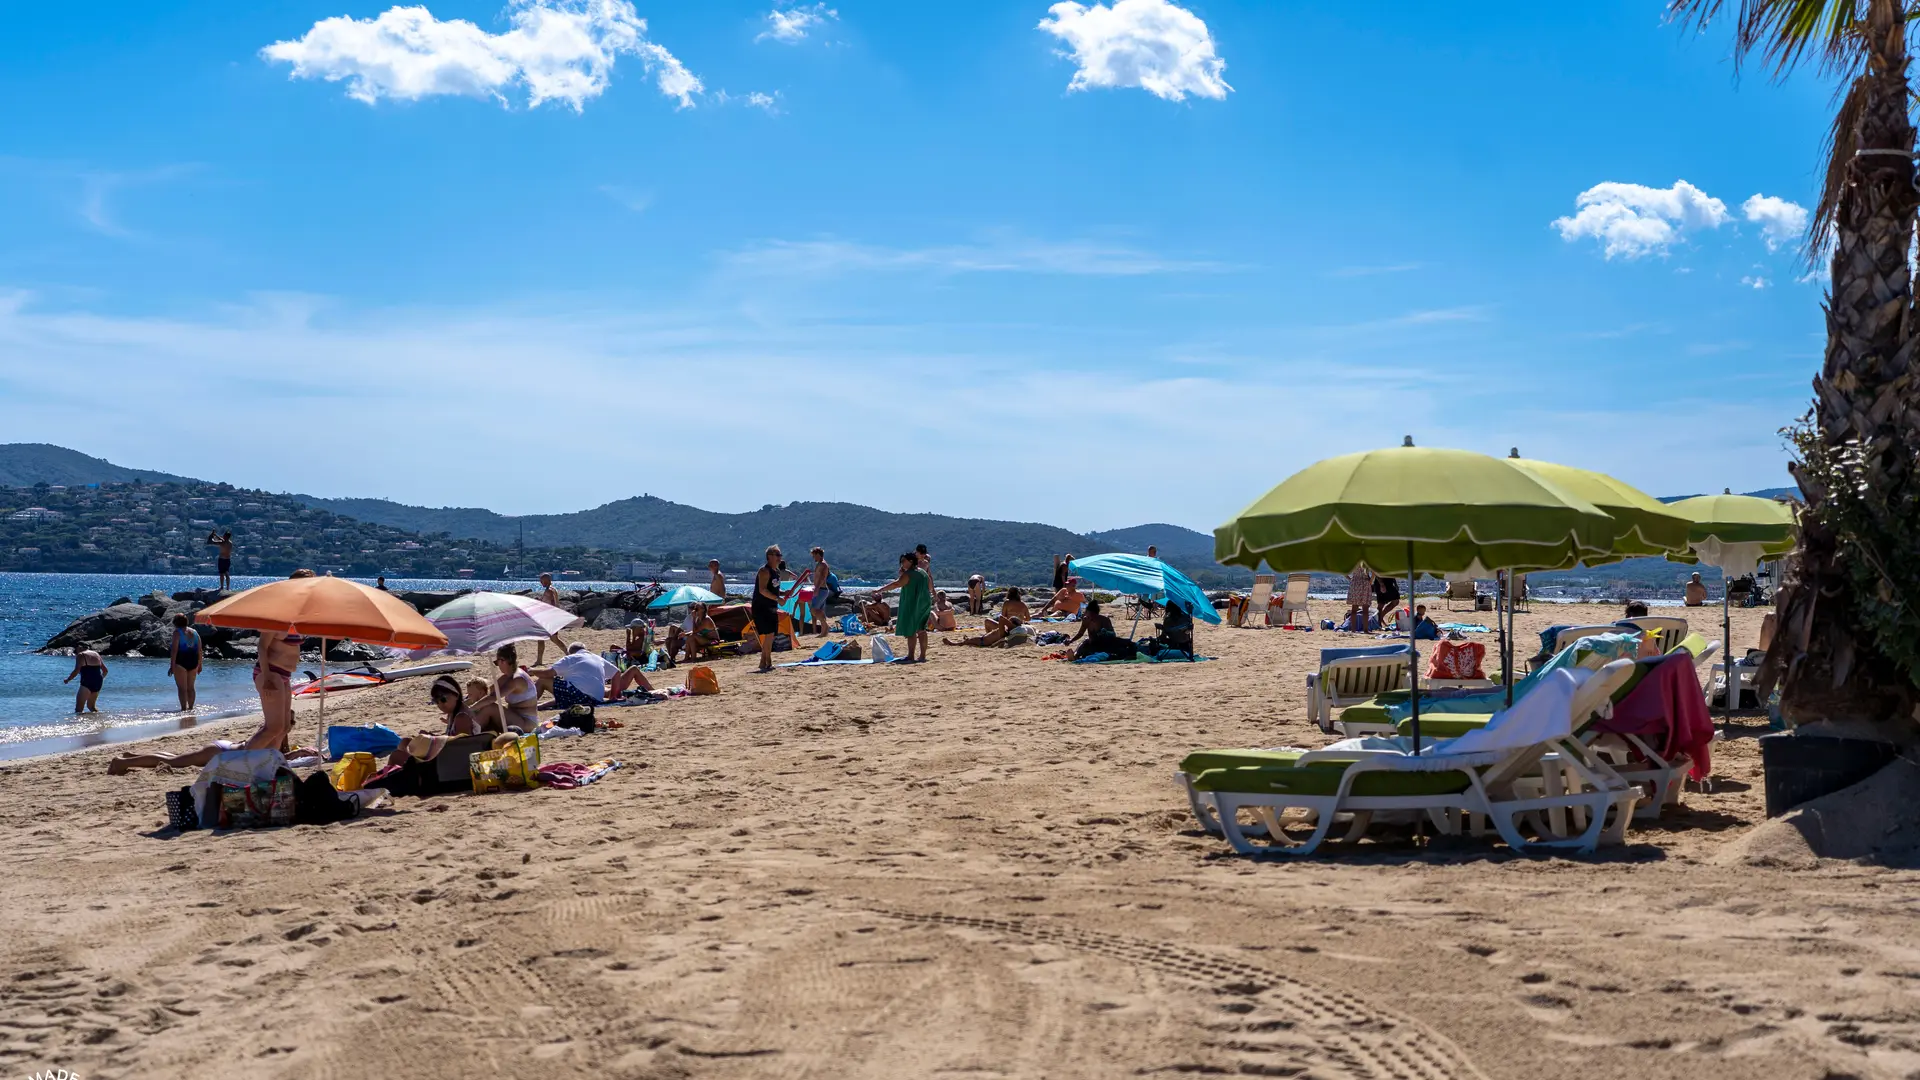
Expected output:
(1092, 265)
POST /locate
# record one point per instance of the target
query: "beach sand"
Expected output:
(977, 867)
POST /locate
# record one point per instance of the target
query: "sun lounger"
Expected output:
(1294, 601)
(1660, 771)
(1350, 676)
(1522, 768)
(1667, 631)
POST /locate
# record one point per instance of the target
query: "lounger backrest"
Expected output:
(1262, 592)
(1364, 676)
(1574, 633)
(1667, 631)
(1461, 590)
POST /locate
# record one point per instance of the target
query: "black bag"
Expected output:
(180, 811)
(578, 716)
(316, 803)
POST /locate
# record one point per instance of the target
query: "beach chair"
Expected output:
(1351, 676)
(1668, 632)
(1254, 613)
(1521, 769)
(1463, 592)
(1637, 762)
(1294, 600)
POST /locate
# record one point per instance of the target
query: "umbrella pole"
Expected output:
(321, 742)
(1726, 635)
(1413, 652)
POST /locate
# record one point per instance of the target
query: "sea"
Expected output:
(138, 701)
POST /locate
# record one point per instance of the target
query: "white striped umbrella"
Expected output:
(480, 622)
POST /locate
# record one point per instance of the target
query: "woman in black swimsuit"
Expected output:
(766, 606)
(183, 660)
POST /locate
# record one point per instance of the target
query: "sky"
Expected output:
(1085, 264)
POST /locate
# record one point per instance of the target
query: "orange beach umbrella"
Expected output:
(325, 607)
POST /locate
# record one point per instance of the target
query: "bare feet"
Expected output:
(117, 767)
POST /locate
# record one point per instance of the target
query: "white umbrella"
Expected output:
(483, 621)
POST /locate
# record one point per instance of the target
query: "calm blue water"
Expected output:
(138, 695)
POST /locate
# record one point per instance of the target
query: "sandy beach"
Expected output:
(978, 867)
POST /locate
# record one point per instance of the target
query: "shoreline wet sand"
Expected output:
(979, 866)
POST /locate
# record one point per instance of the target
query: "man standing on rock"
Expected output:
(225, 565)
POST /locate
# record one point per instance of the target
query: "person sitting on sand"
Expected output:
(875, 613)
(1636, 609)
(700, 634)
(509, 702)
(1696, 591)
(1013, 615)
(583, 678)
(943, 617)
(1067, 601)
(1176, 630)
(92, 670)
(1424, 628)
(1097, 629)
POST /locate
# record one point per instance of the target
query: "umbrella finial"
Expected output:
(1513, 452)
(1408, 441)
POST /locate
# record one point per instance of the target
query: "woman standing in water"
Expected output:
(183, 660)
(916, 605)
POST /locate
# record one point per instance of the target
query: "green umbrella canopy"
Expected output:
(1735, 532)
(1460, 512)
(1643, 525)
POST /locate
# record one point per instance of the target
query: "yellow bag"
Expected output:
(702, 680)
(513, 765)
(350, 773)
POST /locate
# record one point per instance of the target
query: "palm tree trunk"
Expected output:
(1865, 413)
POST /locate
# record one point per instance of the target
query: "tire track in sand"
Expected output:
(1273, 1024)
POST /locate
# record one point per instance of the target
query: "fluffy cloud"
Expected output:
(1754, 281)
(1631, 220)
(791, 25)
(1781, 222)
(559, 50)
(1155, 45)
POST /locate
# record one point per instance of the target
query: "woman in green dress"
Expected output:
(916, 605)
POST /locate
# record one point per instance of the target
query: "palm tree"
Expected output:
(1848, 642)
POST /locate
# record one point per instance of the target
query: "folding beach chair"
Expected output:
(1294, 600)
(1522, 767)
(1463, 592)
(1255, 611)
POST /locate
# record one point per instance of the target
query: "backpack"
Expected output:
(701, 680)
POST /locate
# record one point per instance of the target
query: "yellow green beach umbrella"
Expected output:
(1734, 532)
(1415, 509)
(1643, 525)
(1412, 510)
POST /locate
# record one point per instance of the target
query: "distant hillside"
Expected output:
(857, 538)
(1173, 541)
(27, 464)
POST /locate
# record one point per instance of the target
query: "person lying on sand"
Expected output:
(272, 735)
(1068, 601)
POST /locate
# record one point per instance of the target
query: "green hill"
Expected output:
(27, 464)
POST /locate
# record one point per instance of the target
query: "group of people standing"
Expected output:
(817, 584)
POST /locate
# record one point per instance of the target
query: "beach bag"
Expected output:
(830, 651)
(361, 739)
(350, 773)
(849, 650)
(181, 814)
(578, 717)
(270, 804)
(850, 624)
(510, 766)
(701, 680)
(882, 652)
(233, 769)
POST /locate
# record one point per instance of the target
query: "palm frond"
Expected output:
(1781, 34)
(1842, 142)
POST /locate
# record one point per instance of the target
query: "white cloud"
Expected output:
(558, 50)
(1781, 222)
(1754, 281)
(1632, 220)
(791, 25)
(1155, 45)
(753, 99)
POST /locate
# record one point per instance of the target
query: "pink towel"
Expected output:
(1668, 710)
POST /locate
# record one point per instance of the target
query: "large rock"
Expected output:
(110, 624)
(611, 618)
(424, 602)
